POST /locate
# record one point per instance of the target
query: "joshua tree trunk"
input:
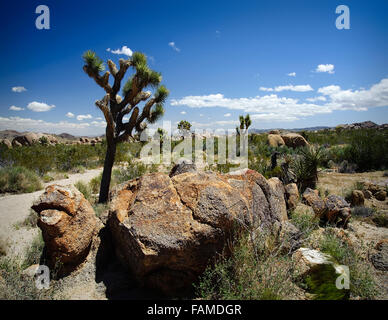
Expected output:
(107, 172)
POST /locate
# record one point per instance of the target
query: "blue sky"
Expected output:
(283, 62)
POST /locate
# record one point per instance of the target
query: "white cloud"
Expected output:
(15, 108)
(183, 112)
(265, 89)
(275, 108)
(172, 45)
(320, 98)
(18, 89)
(70, 115)
(82, 117)
(329, 90)
(329, 68)
(39, 106)
(292, 74)
(227, 114)
(298, 88)
(124, 50)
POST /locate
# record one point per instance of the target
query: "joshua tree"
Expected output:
(245, 123)
(114, 107)
(184, 127)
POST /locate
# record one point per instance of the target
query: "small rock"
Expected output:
(381, 195)
(367, 194)
(357, 198)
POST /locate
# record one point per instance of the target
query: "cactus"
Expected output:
(114, 107)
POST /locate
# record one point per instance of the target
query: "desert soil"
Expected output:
(15, 208)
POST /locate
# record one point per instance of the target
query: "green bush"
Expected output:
(84, 189)
(362, 282)
(306, 223)
(251, 272)
(19, 180)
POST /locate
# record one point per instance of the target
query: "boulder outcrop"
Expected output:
(68, 225)
(166, 230)
(275, 140)
(294, 140)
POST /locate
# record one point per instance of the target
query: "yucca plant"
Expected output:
(114, 107)
(245, 123)
(305, 166)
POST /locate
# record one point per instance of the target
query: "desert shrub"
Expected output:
(362, 282)
(47, 178)
(84, 188)
(14, 285)
(306, 223)
(18, 180)
(95, 183)
(250, 272)
(368, 149)
(380, 219)
(34, 253)
(346, 167)
(29, 222)
(362, 211)
(131, 171)
(100, 208)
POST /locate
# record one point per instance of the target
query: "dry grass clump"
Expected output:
(19, 180)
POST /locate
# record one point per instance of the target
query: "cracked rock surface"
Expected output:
(165, 230)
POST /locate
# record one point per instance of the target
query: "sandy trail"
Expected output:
(15, 208)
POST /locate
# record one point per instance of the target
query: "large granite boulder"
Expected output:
(68, 225)
(6, 143)
(166, 230)
(294, 140)
(275, 140)
(27, 139)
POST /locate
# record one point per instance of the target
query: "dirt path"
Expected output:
(15, 208)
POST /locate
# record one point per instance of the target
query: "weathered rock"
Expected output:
(16, 143)
(31, 271)
(338, 211)
(308, 259)
(334, 209)
(312, 199)
(292, 195)
(68, 225)
(275, 140)
(182, 167)
(6, 142)
(294, 140)
(279, 194)
(373, 188)
(380, 259)
(367, 194)
(289, 238)
(274, 132)
(357, 198)
(27, 139)
(166, 230)
(381, 195)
